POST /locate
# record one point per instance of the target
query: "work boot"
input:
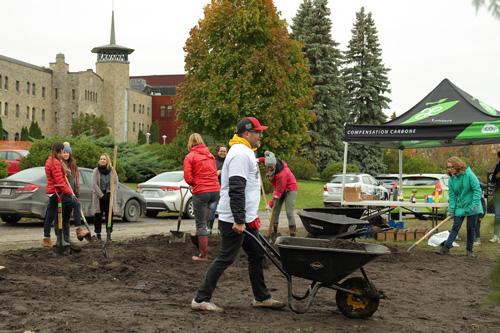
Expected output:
(470, 254)
(81, 233)
(47, 242)
(293, 230)
(205, 306)
(203, 246)
(443, 250)
(270, 303)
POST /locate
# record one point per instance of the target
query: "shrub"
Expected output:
(337, 167)
(301, 167)
(3, 169)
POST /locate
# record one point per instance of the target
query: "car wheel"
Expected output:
(10, 218)
(132, 211)
(152, 213)
(189, 211)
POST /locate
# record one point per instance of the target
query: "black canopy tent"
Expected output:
(447, 116)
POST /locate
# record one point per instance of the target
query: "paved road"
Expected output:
(28, 234)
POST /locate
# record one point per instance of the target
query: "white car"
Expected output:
(162, 193)
(332, 191)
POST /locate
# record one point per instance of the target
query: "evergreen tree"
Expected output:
(141, 138)
(35, 132)
(155, 133)
(24, 134)
(366, 83)
(241, 62)
(90, 124)
(312, 26)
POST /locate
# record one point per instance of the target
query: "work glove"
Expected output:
(254, 225)
(74, 198)
(271, 202)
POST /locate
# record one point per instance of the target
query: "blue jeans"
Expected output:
(211, 217)
(457, 223)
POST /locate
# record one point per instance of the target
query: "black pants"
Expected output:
(201, 205)
(229, 248)
(103, 215)
(51, 214)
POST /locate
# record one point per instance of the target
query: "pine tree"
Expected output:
(155, 133)
(34, 131)
(241, 62)
(141, 138)
(24, 134)
(366, 83)
(312, 26)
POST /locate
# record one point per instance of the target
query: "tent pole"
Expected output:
(344, 170)
(400, 182)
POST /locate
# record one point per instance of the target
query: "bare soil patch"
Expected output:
(146, 285)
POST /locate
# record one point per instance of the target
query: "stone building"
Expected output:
(54, 96)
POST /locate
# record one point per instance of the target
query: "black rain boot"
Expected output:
(98, 236)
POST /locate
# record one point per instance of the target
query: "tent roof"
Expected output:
(447, 116)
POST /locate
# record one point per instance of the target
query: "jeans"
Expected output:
(290, 207)
(457, 223)
(211, 217)
(229, 248)
(51, 213)
(201, 205)
(103, 215)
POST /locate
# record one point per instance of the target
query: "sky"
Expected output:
(422, 41)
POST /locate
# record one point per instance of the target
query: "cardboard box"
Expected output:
(352, 193)
(368, 196)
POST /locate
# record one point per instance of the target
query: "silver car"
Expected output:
(332, 191)
(162, 193)
(23, 195)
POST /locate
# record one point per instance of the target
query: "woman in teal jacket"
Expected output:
(464, 200)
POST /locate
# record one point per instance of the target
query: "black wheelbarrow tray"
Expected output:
(327, 266)
(326, 225)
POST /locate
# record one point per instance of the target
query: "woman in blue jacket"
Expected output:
(464, 200)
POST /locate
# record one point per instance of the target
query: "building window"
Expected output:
(0, 81)
(17, 86)
(6, 109)
(162, 111)
(33, 114)
(148, 110)
(43, 114)
(170, 111)
(133, 126)
(55, 116)
(134, 108)
(56, 93)
(28, 88)
(6, 83)
(16, 137)
(33, 89)
(96, 97)
(27, 112)
(17, 110)
(73, 94)
(43, 92)
(73, 116)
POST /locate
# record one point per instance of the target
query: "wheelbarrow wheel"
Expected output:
(353, 306)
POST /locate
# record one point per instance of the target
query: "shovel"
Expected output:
(428, 233)
(177, 236)
(62, 247)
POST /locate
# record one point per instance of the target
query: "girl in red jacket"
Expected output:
(285, 190)
(200, 173)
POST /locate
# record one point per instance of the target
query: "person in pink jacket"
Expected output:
(285, 190)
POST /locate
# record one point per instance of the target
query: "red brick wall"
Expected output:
(18, 145)
(167, 125)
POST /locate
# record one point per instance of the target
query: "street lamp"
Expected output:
(147, 137)
(164, 138)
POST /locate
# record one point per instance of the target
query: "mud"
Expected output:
(146, 285)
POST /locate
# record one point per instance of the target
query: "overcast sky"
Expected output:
(423, 41)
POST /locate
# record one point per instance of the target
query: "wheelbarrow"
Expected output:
(327, 266)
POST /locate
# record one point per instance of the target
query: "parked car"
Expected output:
(387, 179)
(332, 191)
(424, 185)
(162, 193)
(13, 158)
(23, 195)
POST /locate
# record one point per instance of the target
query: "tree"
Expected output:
(366, 83)
(141, 138)
(155, 132)
(241, 62)
(312, 26)
(90, 124)
(493, 6)
(35, 132)
(24, 134)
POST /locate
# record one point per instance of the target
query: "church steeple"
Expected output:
(112, 52)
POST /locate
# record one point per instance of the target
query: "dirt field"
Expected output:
(146, 285)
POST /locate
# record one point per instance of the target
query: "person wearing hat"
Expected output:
(285, 190)
(238, 207)
(72, 176)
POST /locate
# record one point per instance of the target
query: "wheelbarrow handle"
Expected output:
(269, 251)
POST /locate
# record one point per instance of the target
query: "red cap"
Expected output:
(249, 124)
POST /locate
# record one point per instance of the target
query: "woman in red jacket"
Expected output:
(285, 189)
(200, 173)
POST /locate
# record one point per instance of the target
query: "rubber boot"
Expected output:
(293, 230)
(98, 236)
(203, 246)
